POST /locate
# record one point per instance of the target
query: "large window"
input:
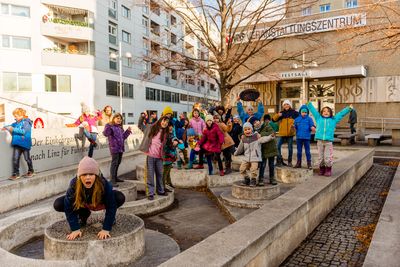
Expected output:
(161, 95)
(13, 81)
(17, 42)
(112, 32)
(145, 24)
(112, 8)
(57, 83)
(126, 37)
(324, 8)
(14, 10)
(113, 60)
(112, 89)
(126, 12)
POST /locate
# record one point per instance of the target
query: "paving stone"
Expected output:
(334, 242)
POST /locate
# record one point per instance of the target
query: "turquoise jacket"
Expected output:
(326, 125)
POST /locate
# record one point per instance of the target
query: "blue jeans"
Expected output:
(271, 166)
(154, 167)
(209, 162)
(289, 140)
(16, 157)
(306, 144)
(193, 154)
(89, 136)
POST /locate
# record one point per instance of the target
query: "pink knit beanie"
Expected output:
(88, 166)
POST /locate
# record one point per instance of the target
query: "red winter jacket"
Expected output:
(212, 139)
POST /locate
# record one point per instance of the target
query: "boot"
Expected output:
(298, 164)
(321, 170)
(253, 182)
(289, 164)
(200, 166)
(228, 168)
(309, 165)
(279, 162)
(272, 180)
(328, 171)
(221, 173)
(190, 165)
(246, 181)
(260, 182)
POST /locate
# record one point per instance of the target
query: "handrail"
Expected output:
(384, 122)
(37, 108)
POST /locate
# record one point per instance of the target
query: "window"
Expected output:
(14, 10)
(306, 11)
(202, 83)
(112, 8)
(57, 83)
(112, 89)
(17, 42)
(212, 87)
(145, 24)
(155, 28)
(161, 95)
(113, 61)
(127, 61)
(174, 40)
(112, 32)
(126, 12)
(351, 3)
(145, 7)
(324, 8)
(155, 68)
(145, 65)
(155, 8)
(173, 20)
(126, 37)
(190, 79)
(174, 74)
(13, 81)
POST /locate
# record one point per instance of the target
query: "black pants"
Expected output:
(271, 166)
(227, 152)
(84, 213)
(16, 157)
(352, 128)
(115, 162)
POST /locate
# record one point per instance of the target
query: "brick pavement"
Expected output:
(334, 242)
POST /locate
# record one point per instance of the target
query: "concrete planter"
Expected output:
(255, 193)
(292, 176)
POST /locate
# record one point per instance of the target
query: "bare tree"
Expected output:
(233, 33)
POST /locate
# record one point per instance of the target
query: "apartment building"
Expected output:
(340, 67)
(56, 54)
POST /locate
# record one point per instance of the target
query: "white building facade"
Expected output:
(56, 54)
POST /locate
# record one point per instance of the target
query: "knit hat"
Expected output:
(190, 132)
(216, 116)
(84, 108)
(252, 120)
(167, 110)
(303, 110)
(88, 166)
(287, 101)
(209, 118)
(248, 125)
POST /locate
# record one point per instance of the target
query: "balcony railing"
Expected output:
(78, 23)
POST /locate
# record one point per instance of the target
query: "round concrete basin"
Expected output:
(129, 189)
(255, 193)
(125, 245)
(289, 175)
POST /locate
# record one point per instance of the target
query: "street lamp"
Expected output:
(119, 56)
(304, 65)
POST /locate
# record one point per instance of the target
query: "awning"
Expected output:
(317, 73)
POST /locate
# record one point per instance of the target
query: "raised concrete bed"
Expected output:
(128, 188)
(268, 235)
(125, 245)
(384, 250)
(255, 193)
(228, 199)
(15, 194)
(289, 175)
(226, 180)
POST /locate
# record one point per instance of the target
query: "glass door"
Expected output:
(290, 91)
(322, 94)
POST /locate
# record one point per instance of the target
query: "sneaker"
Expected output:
(168, 190)
(289, 164)
(14, 177)
(273, 181)
(246, 181)
(150, 197)
(198, 167)
(29, 174)
(171, 185)
(261, 182)
(163, 194)
(253, 182)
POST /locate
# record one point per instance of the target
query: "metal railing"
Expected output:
(380, 123)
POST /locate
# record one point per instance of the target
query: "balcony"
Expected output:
(67, 58)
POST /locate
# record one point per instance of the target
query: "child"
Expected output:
(303, 125)
(192, 140)
(211, 142)
(228, 145)
(286, 130)
(250, 145)
(88, 122)
(236, 131)
(181, 130)
(269, 151)
(326, 124)
(197, 123)
(116, 137)
(169, 157)
(21, 142)
(152, 144)
(89, 190)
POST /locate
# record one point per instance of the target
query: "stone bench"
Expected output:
(375, 139)
(346, 138)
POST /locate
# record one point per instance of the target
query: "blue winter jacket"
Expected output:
(21, 134)
(244, 116)
(108, 203)
(303, 125)
(326, 125)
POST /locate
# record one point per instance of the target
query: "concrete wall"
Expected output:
(268, 235)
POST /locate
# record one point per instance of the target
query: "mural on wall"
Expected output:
(367, 90)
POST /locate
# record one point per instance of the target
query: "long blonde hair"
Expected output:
(98, 191)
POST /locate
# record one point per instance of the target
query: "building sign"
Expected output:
(304, 27)
(294, 74)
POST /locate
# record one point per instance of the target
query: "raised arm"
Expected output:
(313, 111)
(265, 139)
(240, 110)
(339, 116)
(240, 149)
(260, 110)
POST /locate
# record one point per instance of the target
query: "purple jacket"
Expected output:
(116, 137)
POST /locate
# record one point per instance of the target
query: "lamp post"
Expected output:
(119, 56)
(304, 65)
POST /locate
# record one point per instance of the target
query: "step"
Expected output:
(129, 189)
(230, 200)
(268, 191)
(290, 175)
(15, 194)
(220, 181)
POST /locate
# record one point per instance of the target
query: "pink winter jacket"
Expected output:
(212, 139)
(198, 125)
(91, 120)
